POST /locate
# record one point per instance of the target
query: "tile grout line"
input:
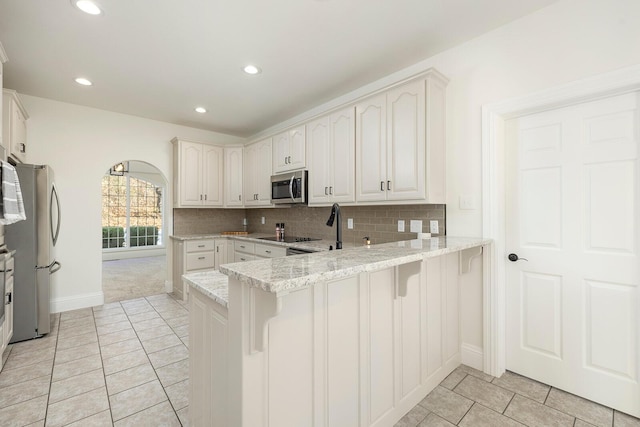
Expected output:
(53, 364)
(104, 375)
(151, 364)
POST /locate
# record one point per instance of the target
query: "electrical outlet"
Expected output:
(415, 226)
(262, 220)
(433, 227)
(400, 225)
(350, 223)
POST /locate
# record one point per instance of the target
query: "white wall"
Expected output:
(564, 42)
(80, 144)
(567, 41)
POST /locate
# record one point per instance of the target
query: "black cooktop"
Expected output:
(291, 239)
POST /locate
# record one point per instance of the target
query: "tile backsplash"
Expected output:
(379, 223)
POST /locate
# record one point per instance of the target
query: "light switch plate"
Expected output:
(467, 202)
(401, 225)
(433, 227)
(350, 223)
(415, 226)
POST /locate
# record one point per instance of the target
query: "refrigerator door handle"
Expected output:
(54, 195)
(55, 266)
(51, 267)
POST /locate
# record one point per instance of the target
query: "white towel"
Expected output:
(12, 204)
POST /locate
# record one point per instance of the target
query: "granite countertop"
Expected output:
(211, 283)
(315, 246)
(286, 274)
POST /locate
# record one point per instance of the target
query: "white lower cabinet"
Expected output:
(357, 351)
(196, 255)
(208, 337)
(249, 251)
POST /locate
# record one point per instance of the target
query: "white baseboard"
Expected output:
(75, 302)
(473, 356)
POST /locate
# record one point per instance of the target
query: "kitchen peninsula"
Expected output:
(338, 338)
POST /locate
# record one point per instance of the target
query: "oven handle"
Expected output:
(293, 178)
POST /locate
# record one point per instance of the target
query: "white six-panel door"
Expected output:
(573, 213)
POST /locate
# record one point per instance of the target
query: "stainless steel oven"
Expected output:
(289, 188)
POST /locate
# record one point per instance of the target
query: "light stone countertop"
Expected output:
(287, 274)
(315, 246)
(211, 283)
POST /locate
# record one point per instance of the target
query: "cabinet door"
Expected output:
(281, 152)
(319, 161)
(8, 314)
(191, 191)
(221, 253)
(371, 149)
(263, 172)
(18, 132)
(297, 149)
(250, 174)
(212, 176)
(406, 142)
(343, 143)
(233, 168)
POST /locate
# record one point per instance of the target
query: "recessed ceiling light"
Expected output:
(252, 69)
(88, 6)
(201, 110)
(84, 82)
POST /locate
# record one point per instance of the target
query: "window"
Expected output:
(131, 212)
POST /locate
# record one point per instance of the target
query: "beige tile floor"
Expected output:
(122, 364)
(470, 398)
(125, 364)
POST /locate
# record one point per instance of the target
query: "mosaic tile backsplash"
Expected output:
(379, 223)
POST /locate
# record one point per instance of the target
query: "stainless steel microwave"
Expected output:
(289, 188)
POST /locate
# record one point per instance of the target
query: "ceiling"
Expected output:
(161, 58)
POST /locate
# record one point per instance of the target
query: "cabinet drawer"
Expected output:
(242, 257)
(198, 261)
(270, 251)
(8, 267)
(246, 247)
(200, 245)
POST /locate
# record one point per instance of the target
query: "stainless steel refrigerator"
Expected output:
(34, 241)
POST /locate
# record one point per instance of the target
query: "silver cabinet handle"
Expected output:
(330, 190)
(389, 185)
(381, 185)
(239, 197)
(289, 159)
(325, 191)
(205, 197)
(217, 248)
(200, 257)
(201, 197)
(8, 298)
(242, 259)
(242, 246)
(268, 252)
(201, 246)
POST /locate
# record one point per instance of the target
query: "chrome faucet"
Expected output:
(335, 210)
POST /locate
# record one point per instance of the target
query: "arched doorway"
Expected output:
(134, 262)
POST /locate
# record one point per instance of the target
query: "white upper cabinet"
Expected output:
(14, 125)
(233, 174)
(257, 173)
(406, 142)
(198, 174)
(400, 144)
(371, 149)
(331, 145)
(289, 150)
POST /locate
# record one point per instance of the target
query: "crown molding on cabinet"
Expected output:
(347, 99)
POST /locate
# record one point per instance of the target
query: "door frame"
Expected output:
(494, 116)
